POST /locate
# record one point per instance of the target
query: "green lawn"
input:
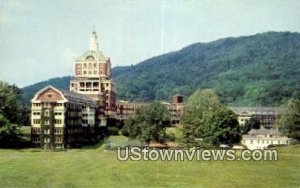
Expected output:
(98, 168)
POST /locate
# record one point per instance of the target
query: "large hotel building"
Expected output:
(62, 119)
(65, 118)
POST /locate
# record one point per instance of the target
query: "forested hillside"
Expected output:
(263, 69)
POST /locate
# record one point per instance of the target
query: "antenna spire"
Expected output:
(94, 42)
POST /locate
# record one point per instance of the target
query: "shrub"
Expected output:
(124, 132)
(113, 130)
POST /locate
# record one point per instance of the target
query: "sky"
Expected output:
(41, 39)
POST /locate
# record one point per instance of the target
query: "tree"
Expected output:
(149, 123)
(12, 114)
(252, 123)
(222, 128)
(289, 118)
(132, 128)
(11, 106)
(199, 108)
(9, 133)
(207, 120)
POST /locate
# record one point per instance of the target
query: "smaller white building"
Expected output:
(262, 138)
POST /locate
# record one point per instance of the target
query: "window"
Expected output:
(36, 121)
(58, 130)
(46, 113)
(88, 84)
(58, 139)
(47, 122)
(95, 84)
(47, 140)
(36, 104)
(35, 139)
(57, 121)
(36, 131)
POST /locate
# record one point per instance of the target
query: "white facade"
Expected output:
(88, 116)
(263, 138)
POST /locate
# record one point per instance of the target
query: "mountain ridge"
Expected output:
(256, 70)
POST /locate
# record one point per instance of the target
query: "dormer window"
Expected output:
(90, 58)
(49, 95)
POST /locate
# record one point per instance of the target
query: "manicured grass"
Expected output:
(95, 167)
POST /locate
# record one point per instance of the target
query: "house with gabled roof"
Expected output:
(263, 138)
(61, 119)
